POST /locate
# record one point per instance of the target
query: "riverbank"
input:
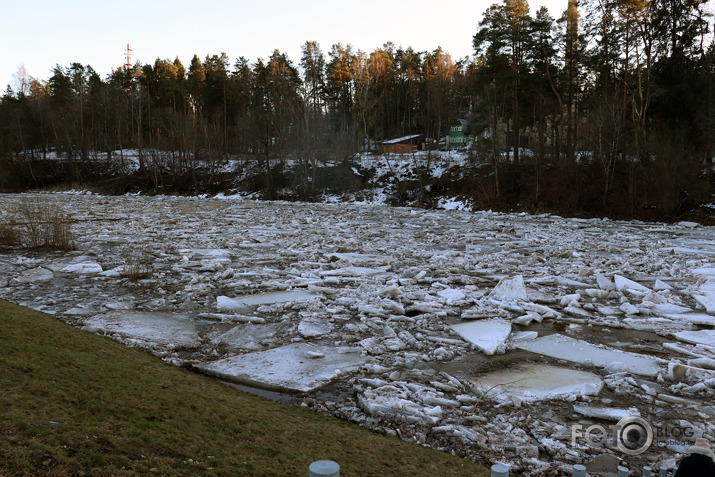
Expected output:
(75, 403)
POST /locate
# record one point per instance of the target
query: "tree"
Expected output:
(339, 85)
(365, 97)
(196, 80)
(312, 120)
(438, 95)
(572, 60)
(242, 105)
(21, 82)
(313, 65)
(409, 71)
(504, 32)
(547, 96)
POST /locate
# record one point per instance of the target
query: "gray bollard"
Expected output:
(663, 471)
(622, 471)
(324, 468)
(579, 470)
(647, 471)
(500, 470)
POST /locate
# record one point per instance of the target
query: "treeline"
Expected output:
(325, 109)
(613, 99)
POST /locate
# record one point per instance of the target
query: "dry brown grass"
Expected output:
(37, 223)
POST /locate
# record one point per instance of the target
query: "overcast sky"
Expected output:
(42, 33)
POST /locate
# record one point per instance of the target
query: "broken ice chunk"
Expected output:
(604, 283)
(384, 402)
(451, 295)
(524, 335)
(313, 327)
(694, 318)
(703, 337)
(623, 283)
(629, 309)
(660, 285)
(605, 413)
(246, 302)
(487, 335)
(87, 268)
(571, 283)
(510, 289)
(707, 363)
(224, 303)
(707, 300)
(524, 320)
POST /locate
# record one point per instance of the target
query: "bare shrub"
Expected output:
(38, 223)
(137, 265)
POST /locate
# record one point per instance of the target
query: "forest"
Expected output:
(605, 109)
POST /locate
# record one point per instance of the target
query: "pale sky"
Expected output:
(42, 33)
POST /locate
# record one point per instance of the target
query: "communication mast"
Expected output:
(128, 57)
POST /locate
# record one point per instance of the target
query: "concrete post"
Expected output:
(663, 471)
(324, 468)
(622, 471)
(647, 472)
(579, 470)
(500, 470)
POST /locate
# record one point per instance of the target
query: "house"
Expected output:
(404, 145)
(458, 136)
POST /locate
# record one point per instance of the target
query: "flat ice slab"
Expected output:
(694, 318)
(38, 274)
(538, 382)
(704, 337)
(83, 268)
(487, 335)
(583, 352)
(705, 272)
(706, 296)
(246, 336)
(294, 367)
(247, 302)
(170, 330)
(605, 413)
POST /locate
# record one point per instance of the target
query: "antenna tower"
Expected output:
(128, 57)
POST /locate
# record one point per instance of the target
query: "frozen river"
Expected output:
(491, 335)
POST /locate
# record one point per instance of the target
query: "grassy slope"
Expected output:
(76, 403)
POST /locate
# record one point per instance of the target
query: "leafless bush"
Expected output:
(137, 265)
(37, 223)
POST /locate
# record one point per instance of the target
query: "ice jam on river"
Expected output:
(493, 336)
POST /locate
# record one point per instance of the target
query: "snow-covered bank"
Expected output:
(449, 328)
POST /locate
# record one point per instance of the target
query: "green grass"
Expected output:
(74, 403)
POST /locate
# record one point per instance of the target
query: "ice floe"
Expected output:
(166, 330)
(535, 382)
(701, 337)
(487, 335)
(287, 368)
(579, 351)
